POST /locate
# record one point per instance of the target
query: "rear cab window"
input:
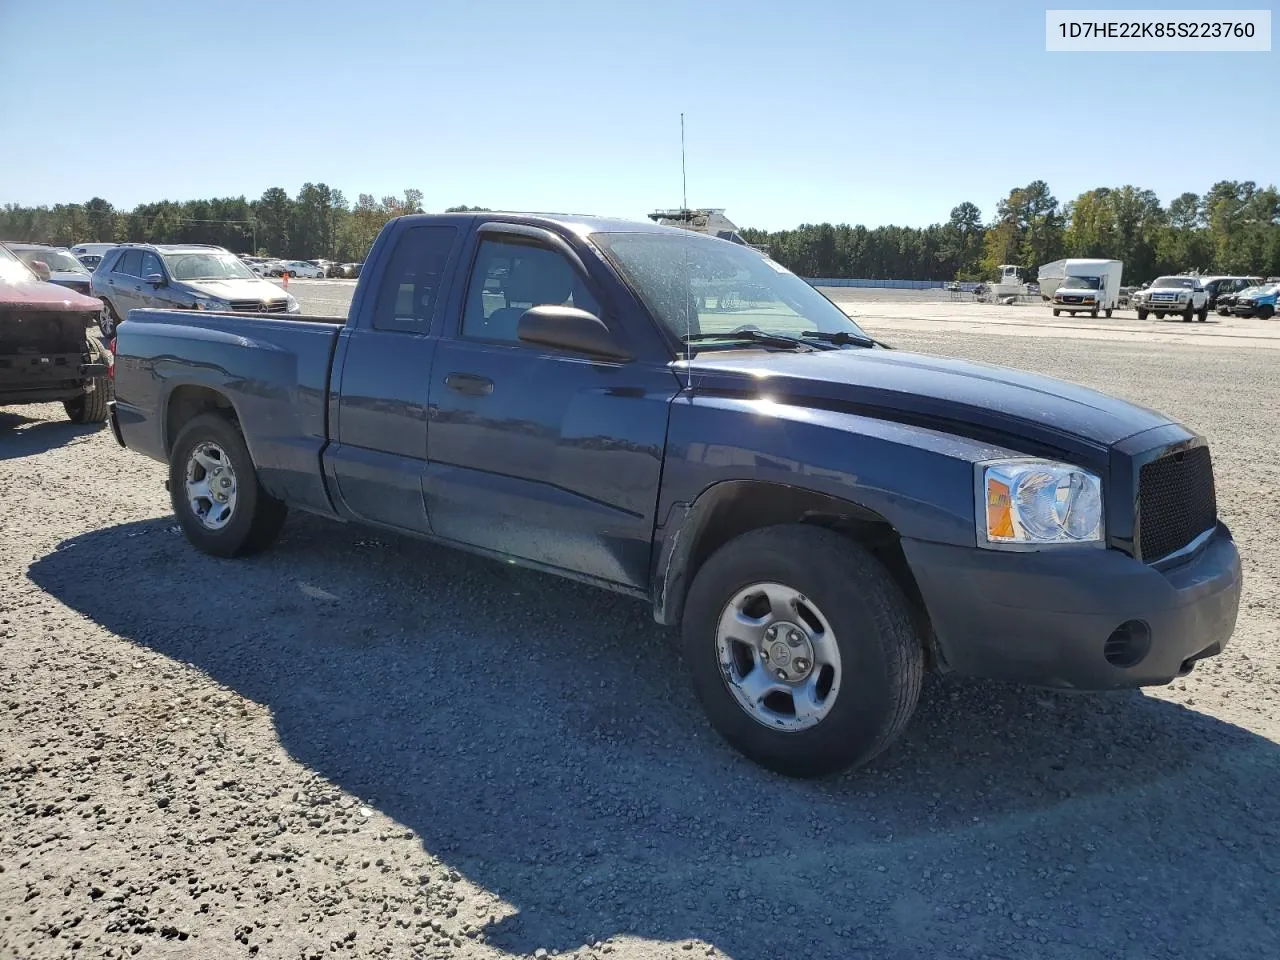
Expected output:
(414, 281)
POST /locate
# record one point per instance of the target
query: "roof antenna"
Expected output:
(684, 181)
(687, 289)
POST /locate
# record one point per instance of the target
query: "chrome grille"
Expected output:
(259, 306)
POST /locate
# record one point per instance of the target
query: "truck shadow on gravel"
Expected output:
(541, 739)
(22, 436)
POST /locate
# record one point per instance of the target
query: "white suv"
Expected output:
(1181, 295)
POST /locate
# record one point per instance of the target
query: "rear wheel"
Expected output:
(802, 650)
(90, 407)
(1094, 314)
(217, 498)
(1108, 314)
(108, 320)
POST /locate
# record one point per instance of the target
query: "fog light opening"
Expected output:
(1128, 644)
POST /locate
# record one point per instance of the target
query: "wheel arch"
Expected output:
(188, 401)
(731, 508)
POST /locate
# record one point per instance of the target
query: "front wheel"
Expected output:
(1159, 316)
(1057, 312)
(1203, 314)
(1142, 314)
(1266, 313)
(802, 650)
(90, 407)
(217, 498)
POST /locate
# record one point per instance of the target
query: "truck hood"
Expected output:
(1023, 411)
(16, 291)
(246, 289)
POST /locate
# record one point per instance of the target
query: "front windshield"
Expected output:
(59, 261)
(13, 270)
(1080, 283)
(1186, 282)
(697, 285)
(207, 266)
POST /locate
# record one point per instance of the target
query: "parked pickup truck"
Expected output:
(47, 352)
(678, 418)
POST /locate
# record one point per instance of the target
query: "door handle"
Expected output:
(470, 384)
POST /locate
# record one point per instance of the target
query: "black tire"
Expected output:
(1159, 316)
(1142, 314)
(90, 407)
(1107, 313)
(1266, 313)
(1203, 315)
(873, 628)
(1094, 314)
(257, 517)
(1056, 312)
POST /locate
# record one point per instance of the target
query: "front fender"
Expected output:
(917, 480)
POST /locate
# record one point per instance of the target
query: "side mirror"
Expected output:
(156, 279)
(42, 270)
(571, 329)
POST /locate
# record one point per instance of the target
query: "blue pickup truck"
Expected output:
(680, 419)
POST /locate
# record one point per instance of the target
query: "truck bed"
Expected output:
(273, 368)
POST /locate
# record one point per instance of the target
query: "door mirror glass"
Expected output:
(570, 329)
(42, 269)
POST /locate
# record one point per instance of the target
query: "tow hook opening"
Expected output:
(1189, 664)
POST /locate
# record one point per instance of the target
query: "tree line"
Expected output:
(1232, 228)
(319, 223)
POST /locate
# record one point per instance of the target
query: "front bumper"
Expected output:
(1046, 618)
(1165, 306)
(1063, 305)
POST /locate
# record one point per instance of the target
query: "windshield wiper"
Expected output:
(778, 340)
(844, 338)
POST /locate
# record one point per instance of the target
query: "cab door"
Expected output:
(536, 453)
(379, 456)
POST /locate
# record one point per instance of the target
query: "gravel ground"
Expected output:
(364, 745)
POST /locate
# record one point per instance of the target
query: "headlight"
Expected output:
(1029, 502)
(291, 304)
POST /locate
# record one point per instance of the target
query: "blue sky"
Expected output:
(797, 111)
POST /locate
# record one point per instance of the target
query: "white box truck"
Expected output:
(1088, 286)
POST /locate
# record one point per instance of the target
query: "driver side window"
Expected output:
(509, 277)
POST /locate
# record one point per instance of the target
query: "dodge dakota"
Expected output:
(680, 419)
